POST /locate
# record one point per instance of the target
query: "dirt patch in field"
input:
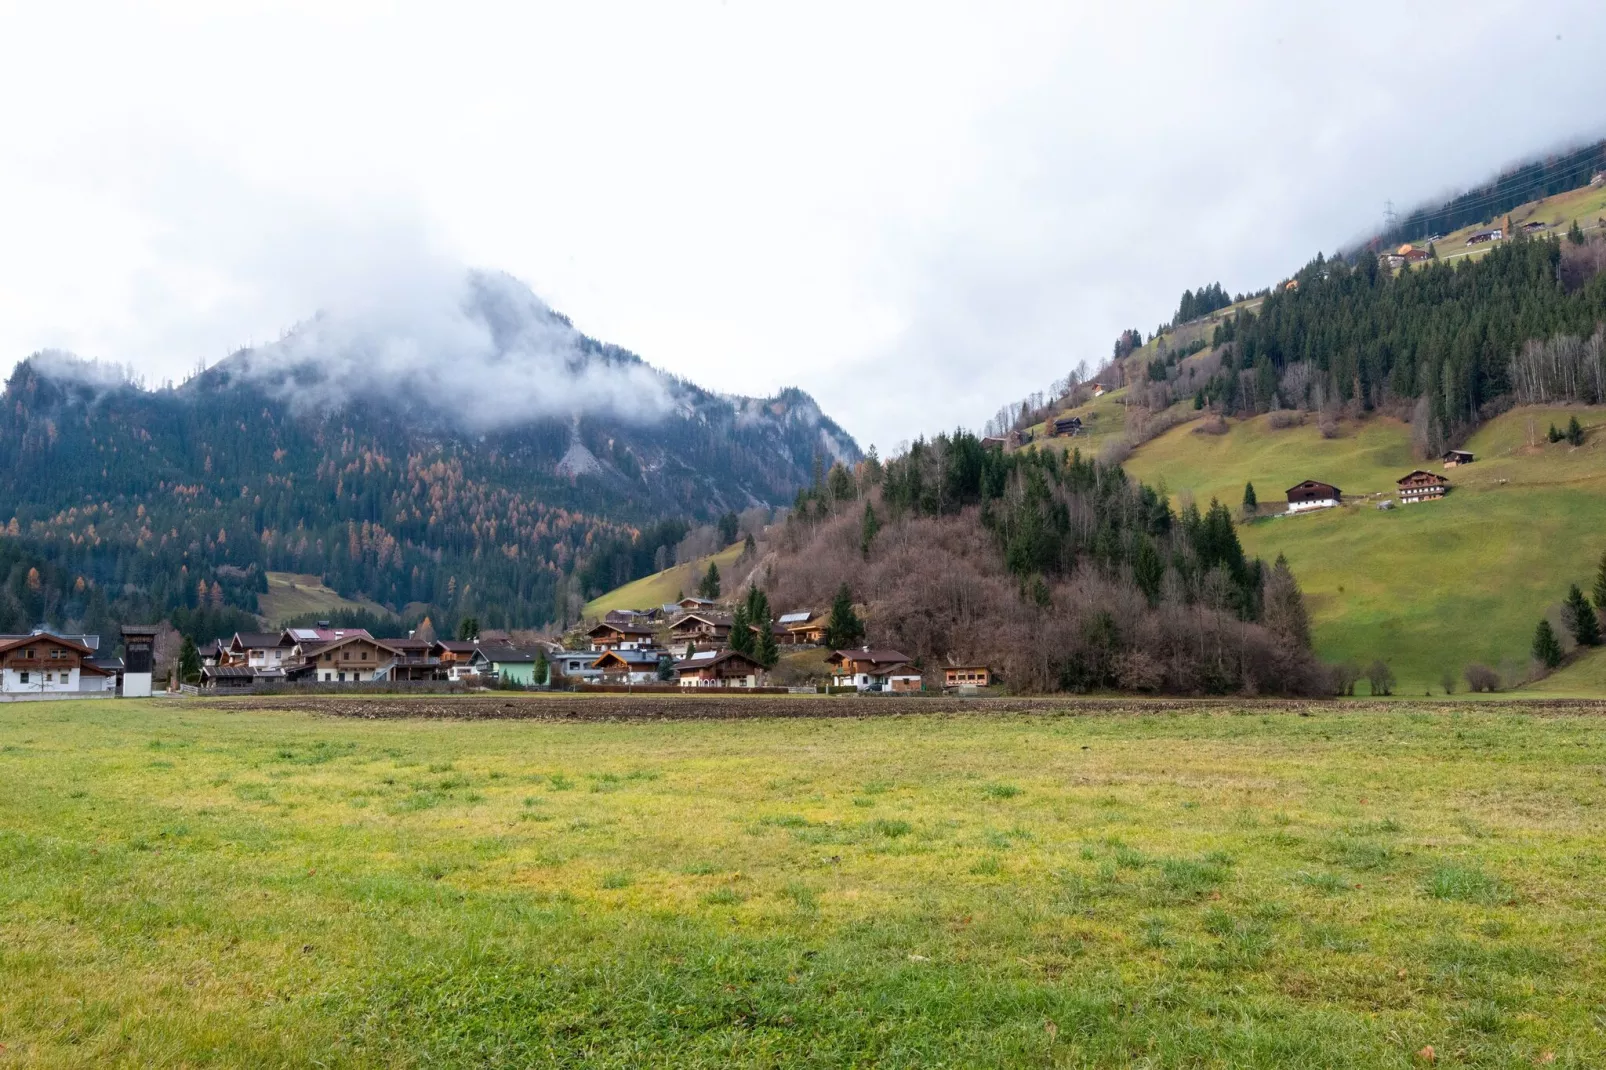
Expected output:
(577, 708)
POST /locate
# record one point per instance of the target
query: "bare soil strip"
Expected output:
(604, 708)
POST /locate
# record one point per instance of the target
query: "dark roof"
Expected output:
(1458, 453)
(623, 627)
(1312, 488)
(141, 629)
(1434, 476)
(629, 657)
(510, 655)
(22, 640)
(107, 664)
(230, 672)
(724, 657)
(717, 620)
(456, 646)
(874, 656)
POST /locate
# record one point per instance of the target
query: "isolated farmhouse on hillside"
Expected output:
(1454, 458)
(1313, 494)
(1421, 486)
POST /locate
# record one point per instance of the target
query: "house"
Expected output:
(415, 660)
(720, 668)
(1065, 425)
(1421, 486)
(629, 666)
(1533, 227)
(689, 604)
(905, 680)
(139, 642)
(1313, 494)
(868, 669)
(620, 635)
(1456, 458)
(229, 677)
(354, 658)
(507, 663)
(967, 677)
(1099, 390)
(213, 652)
(455, 656)
(1404, 255)
(574, 664)
(257, 650)
(701, 626)
(994, 441)
(1481, 236)
(800, 628)
(47, 663)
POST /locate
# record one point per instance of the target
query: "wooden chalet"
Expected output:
(1065, 425)
(415, 660)
(1313, 494)
(258, 650)
(45, 663)
(800, 628)
(701, 626)
(720, 668)
(869, 669)
(1421, 486)
(1456, 458)
(351, 659)
(621, 635)
(230, 677)
(966, 677)
(691, 603)
(628, 666)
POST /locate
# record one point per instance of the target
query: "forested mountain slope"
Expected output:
(476, 467)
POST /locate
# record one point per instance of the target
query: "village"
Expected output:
(685, 644)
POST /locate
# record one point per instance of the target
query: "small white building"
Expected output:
(1313, 494)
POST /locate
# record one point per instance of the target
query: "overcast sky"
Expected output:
(916, 212)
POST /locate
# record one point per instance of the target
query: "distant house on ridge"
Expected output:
(1313, 494)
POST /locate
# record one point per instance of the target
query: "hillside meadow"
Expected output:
(203, 884)
(667, 586)
(1428, 588)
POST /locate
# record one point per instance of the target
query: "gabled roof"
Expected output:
(257, 641)
(310, 649)
(456, 646)
(713, 620)
(701, 660)
(11, 642)
(695, 601)
(630, 659)
(877, 657)
(497, 654)
(622, 627)
(1312, 485)
(1432, 476)
(229, 672)
(800, 617)
(296, 636)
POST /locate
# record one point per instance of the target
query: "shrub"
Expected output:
(1212, 425)
(1285, 418)
(1481, 678)
(1380, 677)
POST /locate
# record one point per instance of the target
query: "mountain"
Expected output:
(466, 448)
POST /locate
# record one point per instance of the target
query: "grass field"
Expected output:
(667, 586)
(292, 594)
(195, 884)
(1431, 587)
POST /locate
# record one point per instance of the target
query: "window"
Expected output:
(23, 676)
(365, 655)
(28, 653)
(342, 677)
(328, 676)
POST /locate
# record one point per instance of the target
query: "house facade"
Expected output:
(720, 668)
(868, 669)
(257, 650)
(800, 628)
(1313, 494)
(1421, 486)
(574, 664)
(629, 666)
(353, 659)
(1456, 458)
(620, 635)
(701, 627)
(44, 663)
(966, 677)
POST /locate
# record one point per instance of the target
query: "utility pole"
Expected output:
(1390, 220)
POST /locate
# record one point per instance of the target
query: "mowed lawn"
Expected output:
(670, 585)
(1427, 588)
(203, 885)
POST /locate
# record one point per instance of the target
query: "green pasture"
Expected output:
(196, 884)
(1428, 588)
(667, 586)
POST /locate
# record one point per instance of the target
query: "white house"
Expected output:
(44, 663)
(1312, 494)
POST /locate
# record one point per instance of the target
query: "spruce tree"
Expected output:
(189, 662)
(741, 639)
(1575, 432)
(1546, 648)
(709, 587)
(843, 629)
(1251, 505)
(468, 629)
(1581, 619)
(766, 652)
(1600, 583)
(868, 528)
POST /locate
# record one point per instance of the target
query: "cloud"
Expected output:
(478, 348)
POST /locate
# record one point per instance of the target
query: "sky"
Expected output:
(916, 212)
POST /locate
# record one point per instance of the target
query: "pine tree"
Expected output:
(1575, 432)
(741, 639)
(868, 528)
(843, 629)
(1546, 648)
(189, 662)
(1600, 583)
(1580, 618)
(709, 587)
(1251, 505)
(468, 629)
